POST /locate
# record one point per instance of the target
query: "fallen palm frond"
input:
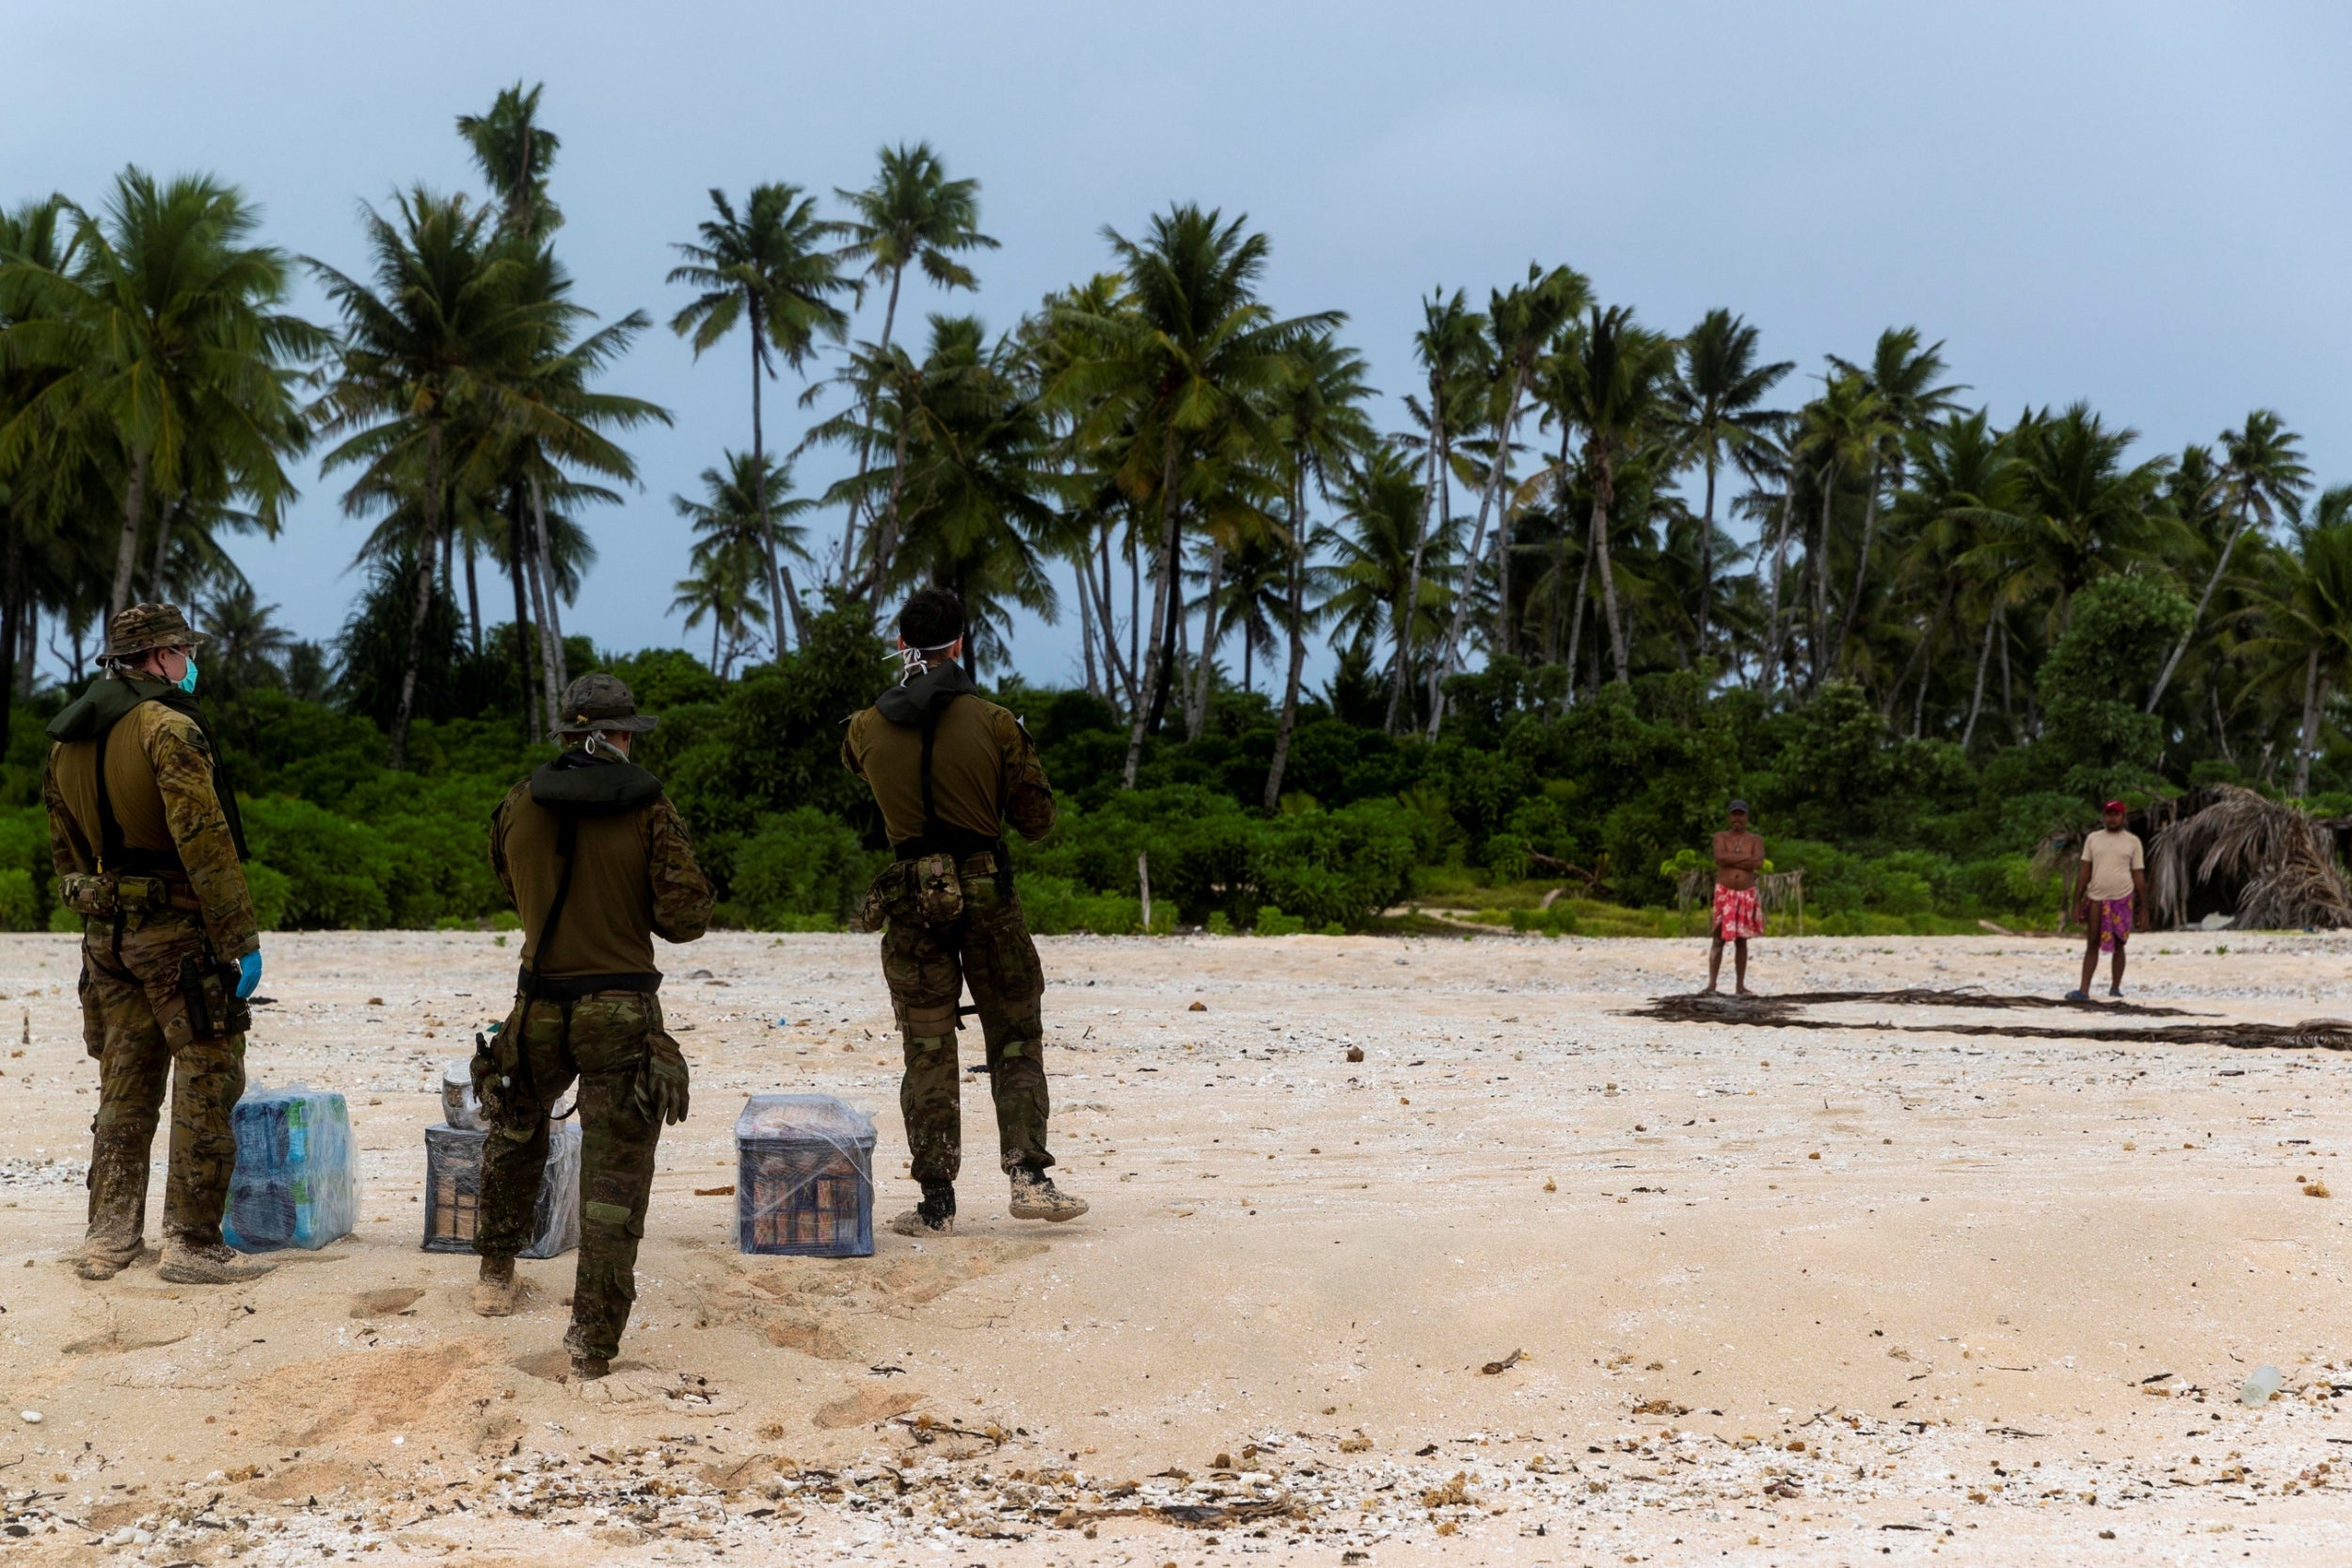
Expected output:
(1699, 1007)
(1786, 1012)
(2283, 862)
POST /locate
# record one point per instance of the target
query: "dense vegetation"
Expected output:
(1556, 655)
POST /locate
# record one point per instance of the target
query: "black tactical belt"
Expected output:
(572, 988)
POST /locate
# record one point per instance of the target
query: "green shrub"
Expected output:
(20, 906)
(1272, 922)
(1056, 905)
(799, 866)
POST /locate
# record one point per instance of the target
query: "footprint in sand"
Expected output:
(864, 1407)
(385, 1303)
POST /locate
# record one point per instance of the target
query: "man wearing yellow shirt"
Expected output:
(2110, 896)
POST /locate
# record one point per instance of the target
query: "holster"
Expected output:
(210, 992)
(501, 1077)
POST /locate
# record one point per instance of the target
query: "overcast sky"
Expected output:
(2141, 204)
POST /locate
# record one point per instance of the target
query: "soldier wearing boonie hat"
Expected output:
(144, 833)
(597, 864)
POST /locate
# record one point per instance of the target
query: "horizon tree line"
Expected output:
(1203, 470)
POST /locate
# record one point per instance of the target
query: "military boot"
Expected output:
(1036, 1198)
(497, 1292)
(189, 1263)
(934, 1216)
(102, 1258)
(585, 1367)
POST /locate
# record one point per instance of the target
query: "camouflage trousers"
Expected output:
(600, 1040)
(136, 1023)
(927, 968)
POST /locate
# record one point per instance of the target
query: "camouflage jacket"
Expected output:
(160, 787)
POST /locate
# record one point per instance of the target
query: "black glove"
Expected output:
(661, 1083)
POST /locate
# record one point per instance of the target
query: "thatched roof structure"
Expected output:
(2280, 865)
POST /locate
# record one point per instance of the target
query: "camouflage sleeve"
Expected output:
(1029, 798)
(65, 854)
(681, 894)
(498, 840)
(182, 760)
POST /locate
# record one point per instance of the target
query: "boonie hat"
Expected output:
(601, 702)
(143, 627)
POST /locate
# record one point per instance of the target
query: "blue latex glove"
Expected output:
(248, 974)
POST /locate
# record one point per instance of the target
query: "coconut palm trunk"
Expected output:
(1432, 497)
(2314, 700)
(426, 547)
(127, 550)
(1450, 651)
(164, 525)
(1861, 572)
(1154, 697)
(1706, 555)
(759, 467)
(1604, 497)
(864, 441)
(2164, 676)
(1770, 676)
(535, 716)
(1984, 662)
(1204, 676)
(553, 677)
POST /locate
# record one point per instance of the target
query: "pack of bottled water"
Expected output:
(298, 1176)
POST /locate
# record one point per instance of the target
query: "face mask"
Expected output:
(187, 682)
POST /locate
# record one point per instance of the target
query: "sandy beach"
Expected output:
(1533, 1281)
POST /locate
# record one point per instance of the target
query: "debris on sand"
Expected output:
(1786, 1012)
(1496, 1369)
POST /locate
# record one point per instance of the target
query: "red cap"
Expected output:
(2117, 805)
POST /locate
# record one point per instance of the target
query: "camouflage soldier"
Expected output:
(597, 864)
(144, 834)
(947, 770)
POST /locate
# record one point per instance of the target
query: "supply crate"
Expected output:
(452, 1191)
(806, 1181)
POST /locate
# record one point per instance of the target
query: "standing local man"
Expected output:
(597, 864)
(2110, 889)
(1738, 913)
(144, 834)
(948, 769)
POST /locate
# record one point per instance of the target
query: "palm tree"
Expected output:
(1615, 386)
(1521, 324)
(726, 568)
(514, 154)
(1901, 379)
(911, 216)
(439, 340)
(2080, 511)
(249, 647)
(1380, 510)
(1836, 433)
(747, 513)
(1966, 484)
(1321, 431)
(1452, 351)
(171, 327)
(770, 270)
(1717, 393)
(2306, 609)
(1184, 369)
(2263, 475)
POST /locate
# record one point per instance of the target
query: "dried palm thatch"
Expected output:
(2282, 861)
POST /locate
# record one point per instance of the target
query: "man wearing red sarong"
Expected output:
(1738, 911)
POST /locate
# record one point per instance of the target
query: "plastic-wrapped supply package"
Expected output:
(806, 1182)
(459, 1108)
(452, 1191)
(298, 1176)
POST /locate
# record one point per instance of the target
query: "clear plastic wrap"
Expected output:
(298, 1176)
(459, 1108)
(806, 1181)
(452, 1191)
